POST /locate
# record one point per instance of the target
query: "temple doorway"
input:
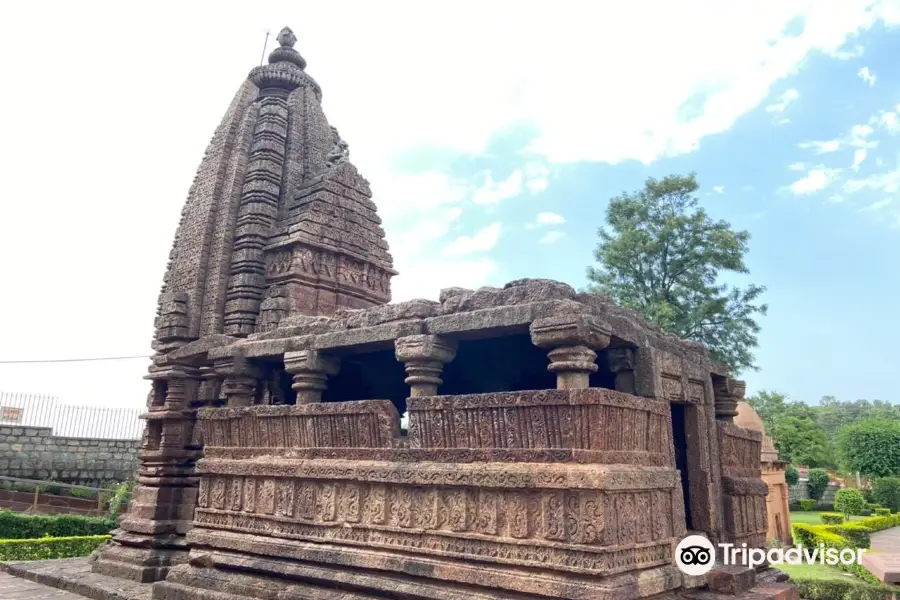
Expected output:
(679, 440)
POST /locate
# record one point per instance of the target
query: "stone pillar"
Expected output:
(621, 363)
(728, 392)
(424, 357)
(150, 538)
(239, 380)
(572, 341)
(311, 370)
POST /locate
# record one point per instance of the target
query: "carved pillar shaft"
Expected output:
(239, 380)
(424, 357)
(572, 341)
(311, 370)
(621, 363)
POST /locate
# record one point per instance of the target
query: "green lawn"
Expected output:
(816, 571)
(812, 517)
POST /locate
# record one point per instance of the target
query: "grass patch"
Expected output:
(814, 517)
(815, 571)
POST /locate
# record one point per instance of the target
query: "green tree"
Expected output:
(662, 256)
(817, 482)
(886, 492)
(768, 405)
(791, 475)
(871, 447)
(800, 440)
(849, 501)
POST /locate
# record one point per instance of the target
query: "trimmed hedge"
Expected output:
(49, 548)
(835, 589)
(808, 504)
(850, 535)
(20, 526)
(883, 512)
(832, 518)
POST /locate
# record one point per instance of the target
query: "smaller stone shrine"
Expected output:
(778, 500)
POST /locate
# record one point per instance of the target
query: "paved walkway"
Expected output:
(883, 558)
(15, 588)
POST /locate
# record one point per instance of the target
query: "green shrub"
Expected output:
(83, 493)
(50, 547)
(791, 475)
(20, 526)
(794, 505)
(120, 498)
(808, 504)
(856, 534)
(19, 486)
(880, 523)
(51, 489)
(817, 482)
(886, 492)
(832, 518)
(812, 536)
(836, 589)
(849, 501)
(883, 512)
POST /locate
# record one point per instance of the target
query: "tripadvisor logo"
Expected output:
(696, 555)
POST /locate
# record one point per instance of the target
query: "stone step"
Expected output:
(731, 579)
(769, 591)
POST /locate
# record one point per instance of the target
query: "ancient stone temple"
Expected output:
(778, 499)
(557, 446)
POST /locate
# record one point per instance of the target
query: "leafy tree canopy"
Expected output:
(871, 447)
(661, 255)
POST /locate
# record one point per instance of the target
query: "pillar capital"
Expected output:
(569, 330)
(572, 340)
(311, 370)
(424, 357)
(727, 392)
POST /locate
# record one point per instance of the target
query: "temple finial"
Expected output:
(285, 53)
(286, 38)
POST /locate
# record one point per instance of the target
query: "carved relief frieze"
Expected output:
(492, 524)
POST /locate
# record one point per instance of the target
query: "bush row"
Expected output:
(845, 535)
(836, 589)
(20, 526)
(50, 547)
(49, 488)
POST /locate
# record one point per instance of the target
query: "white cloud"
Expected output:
(835, 199)
(786, 98)
(719, 189)
(798, 166)
(857, 137)
(815, 179)
(854, 52)
(546, 218)
(859, 155)
(537, 177)
(867, 76)
(552, 237)
(890, 120)
(492, 192)
(888, 182)
(878, 205)
(483, 240)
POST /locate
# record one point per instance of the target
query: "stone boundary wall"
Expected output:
(35, 453)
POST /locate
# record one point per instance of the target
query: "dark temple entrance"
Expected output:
(679, 440)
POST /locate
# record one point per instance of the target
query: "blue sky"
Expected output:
(492, 144)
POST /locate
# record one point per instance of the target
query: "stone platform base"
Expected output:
(74, 575)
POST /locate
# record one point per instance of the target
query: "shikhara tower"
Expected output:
(278, 223)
